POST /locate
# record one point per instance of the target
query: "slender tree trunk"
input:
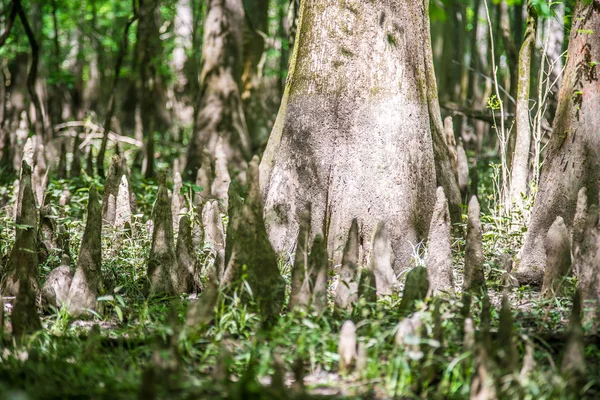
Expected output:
(554, 52)
(220, 113)
(55, 100)
(452, 53)
(520, 165)
(110, 109)
(573, 159)
(149, 48)
(32, 74)
(257, 28)
(354, 132)
(284, 54)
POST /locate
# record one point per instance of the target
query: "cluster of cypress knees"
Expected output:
(244, 250)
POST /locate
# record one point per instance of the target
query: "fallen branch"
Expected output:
(98, 133)
(471, 113)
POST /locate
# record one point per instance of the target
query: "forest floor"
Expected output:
(139, 349)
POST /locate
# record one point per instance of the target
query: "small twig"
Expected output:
(9, 23)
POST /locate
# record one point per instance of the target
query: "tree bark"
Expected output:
(110, 109)
(151, 97)
(354, 132)
(10, 21)
(220, 111)
(40, 126)
(573, 159)
(257, 27)
(520, 164)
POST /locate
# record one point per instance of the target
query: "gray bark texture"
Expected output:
(220, 113)
(439, 252)
(354, 132)
(55, 290)
(162, 264)
(573, 158)
(87, 282)
(558, 259)
(579, 221)
(318, 264)
(587, 262)
(382, 258)
(346, 292)
(300, 294)
(520, 164)
(214, 235)
(186, 259)
(474, 279)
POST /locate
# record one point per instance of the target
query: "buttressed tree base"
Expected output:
(354, 132)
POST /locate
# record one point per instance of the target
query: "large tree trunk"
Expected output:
(354, 132)
(573, 159)
(220, 113)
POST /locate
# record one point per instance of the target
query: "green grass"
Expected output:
(108, 357)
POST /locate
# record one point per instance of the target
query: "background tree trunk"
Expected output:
(220, 111)
(573, 159)
(353, 135)
(520, 166)
(257, 27)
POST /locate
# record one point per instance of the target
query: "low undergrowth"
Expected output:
(140, 347)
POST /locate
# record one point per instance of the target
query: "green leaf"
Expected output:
(119, 313)
(120, 300)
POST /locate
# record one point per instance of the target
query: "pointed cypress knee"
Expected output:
(586, 263)
(415, 289)
(367, 293)
(318, 264)
(87, 282)
(507, 355)
(123, 209)
(89, 163)
(573, 366)
(250, 253)
(558, 259)
(346, 293)
(214, 235)
(162, 264)
(55, 290)
(186, 259)
(203, 180)
(300, 294)
(220, 185)
(25, 250)
(382, 260)
(439, 253)
(579, 219)
(474, 280)
(111, 191)
(202, 312)
(25, 318)
(347, 347)
(177, 201)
